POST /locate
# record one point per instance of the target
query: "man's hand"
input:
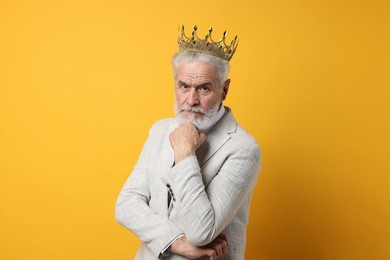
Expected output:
(185, 140)
(218, 247)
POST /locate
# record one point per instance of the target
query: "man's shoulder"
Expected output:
(162, 125)
(245, 136)
(238, 133)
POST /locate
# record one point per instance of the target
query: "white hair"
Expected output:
(221, 65)
(201, 123)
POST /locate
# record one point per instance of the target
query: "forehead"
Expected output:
(196, 71)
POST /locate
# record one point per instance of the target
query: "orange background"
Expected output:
(82, 81)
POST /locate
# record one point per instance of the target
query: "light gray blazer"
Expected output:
(211, 191)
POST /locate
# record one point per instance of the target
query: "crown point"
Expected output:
(207, 44)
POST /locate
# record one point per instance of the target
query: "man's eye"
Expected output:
(204, 89)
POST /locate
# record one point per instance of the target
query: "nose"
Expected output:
(193, 97)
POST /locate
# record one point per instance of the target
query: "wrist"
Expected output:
(176, 246)
(168, 249)
(181, 156)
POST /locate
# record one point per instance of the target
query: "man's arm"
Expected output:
(132, 208)
(218, 247)
(206, 211)
(133, 212)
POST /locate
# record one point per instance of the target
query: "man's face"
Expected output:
(198, 92)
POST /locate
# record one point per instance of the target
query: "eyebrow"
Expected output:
(205, 84)
(182, 83)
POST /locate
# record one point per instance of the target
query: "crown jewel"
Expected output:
(206, 45)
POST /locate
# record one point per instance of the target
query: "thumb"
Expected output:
(202, 138)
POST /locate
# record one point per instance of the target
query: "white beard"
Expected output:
(201, 123)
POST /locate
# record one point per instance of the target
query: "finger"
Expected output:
(220, 244)
(217, 248)
(202, 138)
(224, 246)
(224, 237)
(220, 247)
(191, 126)
(211, 253)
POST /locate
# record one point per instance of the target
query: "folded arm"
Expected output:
(206, 211)
(132, 208)
(157, 232)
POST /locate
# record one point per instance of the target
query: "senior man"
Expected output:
(189, 193)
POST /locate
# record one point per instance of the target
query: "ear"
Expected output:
(225, 89)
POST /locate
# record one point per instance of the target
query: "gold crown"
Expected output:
(206, 45)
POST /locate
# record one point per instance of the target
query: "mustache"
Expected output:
(187, 108)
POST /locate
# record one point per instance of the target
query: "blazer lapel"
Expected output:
(217, 137)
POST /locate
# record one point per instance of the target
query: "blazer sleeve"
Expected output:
(206, 211)
(132, 209)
